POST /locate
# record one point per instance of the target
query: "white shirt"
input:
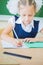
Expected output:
(28, 28)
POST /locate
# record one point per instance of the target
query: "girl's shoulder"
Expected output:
(40, 21)
(14, 19)
(11, 20)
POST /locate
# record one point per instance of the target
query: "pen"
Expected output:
(17, 55)
(15, 33)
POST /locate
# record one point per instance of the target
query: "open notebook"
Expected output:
(24, 45)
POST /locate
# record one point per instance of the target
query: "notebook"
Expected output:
(34, 45)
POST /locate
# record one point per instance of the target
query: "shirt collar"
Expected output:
(19, 21)
(32, 23)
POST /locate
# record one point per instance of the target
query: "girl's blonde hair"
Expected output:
(27, 2)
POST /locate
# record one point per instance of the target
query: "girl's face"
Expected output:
(27, 13)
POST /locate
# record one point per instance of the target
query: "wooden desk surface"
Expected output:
(35, 53)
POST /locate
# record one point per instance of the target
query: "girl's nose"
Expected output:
(26, 18)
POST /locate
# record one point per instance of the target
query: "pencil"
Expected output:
(15, 34)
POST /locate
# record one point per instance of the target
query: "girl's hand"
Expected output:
(18, 42)
(26, 40)
(30, 40)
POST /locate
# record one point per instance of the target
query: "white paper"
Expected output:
(10, 45)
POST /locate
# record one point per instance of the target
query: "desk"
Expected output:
(36, 53)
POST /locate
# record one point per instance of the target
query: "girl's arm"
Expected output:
(5, 36)
(36, 39)
(39, 39)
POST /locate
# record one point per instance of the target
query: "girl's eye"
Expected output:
(29, 15)
(24, 15)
